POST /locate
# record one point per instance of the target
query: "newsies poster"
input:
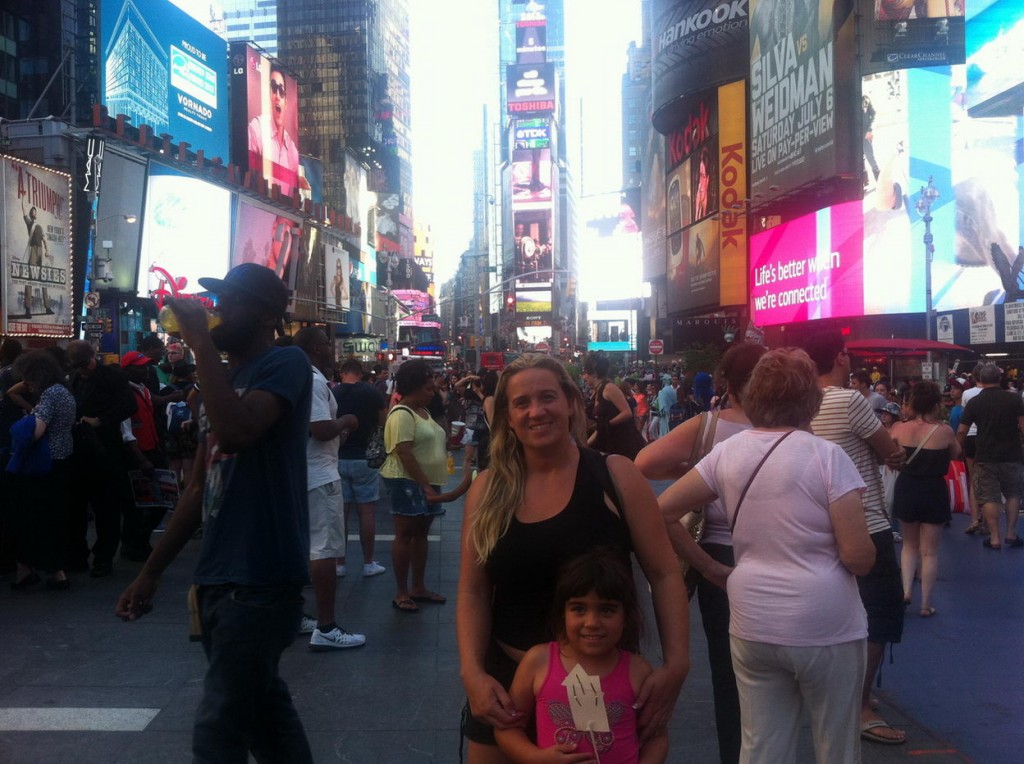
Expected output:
(37, 251)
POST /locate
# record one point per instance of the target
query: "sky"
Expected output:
(454, 71)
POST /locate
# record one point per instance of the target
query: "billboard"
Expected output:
(792, 94)
(266, 237)
(186, 233)
(336, 277)
(697, 44)
(162, 68)
(653, 206)
(533, 238)
(533, 303)
(532, 133)
(705, 203)
(416, 304)
(308, 271)
(995, 34)
(909, 33)
(264, 118)
(115, 267)
(531, 43)
(531, 178)
(808, 268)
(36, 236)
(531, 88)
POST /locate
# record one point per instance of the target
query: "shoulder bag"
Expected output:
(376, 453)
(693, 520)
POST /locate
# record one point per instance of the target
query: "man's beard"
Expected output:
(235, 338)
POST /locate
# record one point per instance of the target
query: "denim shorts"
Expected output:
(360, 483)
(408, 499)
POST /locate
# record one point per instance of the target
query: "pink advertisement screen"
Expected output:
(811, 267)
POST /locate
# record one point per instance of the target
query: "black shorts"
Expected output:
(881, 592)
(498, 664)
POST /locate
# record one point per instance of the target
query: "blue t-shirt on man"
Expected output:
(256, 531)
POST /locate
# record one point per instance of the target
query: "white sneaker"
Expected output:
(340, 571)
(335, 639)
(373, 568)
(307, 625)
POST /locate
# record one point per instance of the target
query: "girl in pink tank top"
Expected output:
(582, 688)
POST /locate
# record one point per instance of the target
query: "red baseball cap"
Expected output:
(134, 358)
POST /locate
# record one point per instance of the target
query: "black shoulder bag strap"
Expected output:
(753, 475)
(597, 464)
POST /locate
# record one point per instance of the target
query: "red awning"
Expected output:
(899, 344)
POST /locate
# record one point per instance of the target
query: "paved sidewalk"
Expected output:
(955, 685)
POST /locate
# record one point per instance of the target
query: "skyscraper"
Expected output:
(352, 61)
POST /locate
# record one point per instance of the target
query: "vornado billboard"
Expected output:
(697, 44)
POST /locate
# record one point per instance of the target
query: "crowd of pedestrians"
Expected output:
(792, 472)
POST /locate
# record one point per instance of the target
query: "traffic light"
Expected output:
(510, 303)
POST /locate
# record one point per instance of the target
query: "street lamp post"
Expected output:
(928, 196)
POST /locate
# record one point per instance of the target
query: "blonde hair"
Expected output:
(507, 472)
(783, 390)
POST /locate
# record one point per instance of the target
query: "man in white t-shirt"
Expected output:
(326, 519)
(847, 419)
(970, 443)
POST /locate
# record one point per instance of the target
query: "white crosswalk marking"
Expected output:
(76, 719)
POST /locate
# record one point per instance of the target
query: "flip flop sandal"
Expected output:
(405, 605)
(432, 598)
(927, 612)
(868, 733)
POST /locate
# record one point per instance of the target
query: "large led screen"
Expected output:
(265, 237)
(534, 244)
(995, 40)
(162, 68)
(531, 42)
(36, 237)
(186, 233)
(533, 303)
(414, 306)
(531, 178)
(808, 268)
(265, 118)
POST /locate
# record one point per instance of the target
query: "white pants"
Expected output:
(776, 682)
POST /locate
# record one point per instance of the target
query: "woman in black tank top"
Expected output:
(543, 501)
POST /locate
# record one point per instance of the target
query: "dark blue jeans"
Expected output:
(246, 705)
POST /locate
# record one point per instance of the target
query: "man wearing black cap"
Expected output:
(249, 481)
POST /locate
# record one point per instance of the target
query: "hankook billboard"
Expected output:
(697, 44)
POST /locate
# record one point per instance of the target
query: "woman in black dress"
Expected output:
(921, 499)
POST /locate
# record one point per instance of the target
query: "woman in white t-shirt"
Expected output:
(668, 458)
(797, 625)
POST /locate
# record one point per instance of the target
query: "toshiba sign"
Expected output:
(531, 88)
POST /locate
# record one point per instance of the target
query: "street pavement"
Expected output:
(78, 685)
